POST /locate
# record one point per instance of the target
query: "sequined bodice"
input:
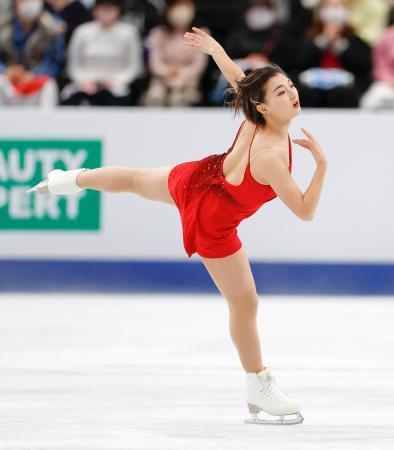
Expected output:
(246, 197)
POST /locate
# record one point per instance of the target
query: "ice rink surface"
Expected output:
(161, 372)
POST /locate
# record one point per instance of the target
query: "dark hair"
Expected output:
(117, 3)
(251, 90)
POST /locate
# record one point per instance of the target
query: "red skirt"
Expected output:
(204, 207)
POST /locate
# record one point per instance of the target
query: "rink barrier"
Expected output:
(353, 221)
(139, 276)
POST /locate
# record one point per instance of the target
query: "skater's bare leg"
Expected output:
(234, 279)
(148, 183)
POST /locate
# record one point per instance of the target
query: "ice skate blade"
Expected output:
(280, 421)
(41, 188)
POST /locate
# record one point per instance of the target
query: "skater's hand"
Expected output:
(312, 145)
(201, 40)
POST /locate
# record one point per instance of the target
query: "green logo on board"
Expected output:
(24, 163)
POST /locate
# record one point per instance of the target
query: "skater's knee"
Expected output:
(246, 304)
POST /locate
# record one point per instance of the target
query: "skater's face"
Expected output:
(281, 102)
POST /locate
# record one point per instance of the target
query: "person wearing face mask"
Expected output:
(259, 41)
(31, 51)
(175, 69)
(104, 59)
(259, 38)
(333, 63)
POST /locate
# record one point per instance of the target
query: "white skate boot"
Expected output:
(262, 394)
(59, 182)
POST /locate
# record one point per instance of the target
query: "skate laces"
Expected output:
(271, 391)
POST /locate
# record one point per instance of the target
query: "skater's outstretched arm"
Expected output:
(202, 41)
(107, 179)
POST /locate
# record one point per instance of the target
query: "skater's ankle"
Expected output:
(257, 370)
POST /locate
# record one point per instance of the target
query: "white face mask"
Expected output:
(180, 16)
(337, 14)
(260, 18)
(29, 9)
(309, 4)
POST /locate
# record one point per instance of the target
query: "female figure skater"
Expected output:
(215, 193)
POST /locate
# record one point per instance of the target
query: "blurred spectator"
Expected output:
(176, 68)
(258, 41)
(221, 16)
(334, 61)
(368, 18)
(381, 93)
(5, 8)
(104, 58)
(144, 14)
(30, 55)
(71, 13)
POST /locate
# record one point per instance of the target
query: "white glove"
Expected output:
(59, 182)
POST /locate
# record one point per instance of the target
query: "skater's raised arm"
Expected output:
(204, 42)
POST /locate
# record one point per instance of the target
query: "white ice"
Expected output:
(161, 372)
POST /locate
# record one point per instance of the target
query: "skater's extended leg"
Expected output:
(150, 183)
(234, 279)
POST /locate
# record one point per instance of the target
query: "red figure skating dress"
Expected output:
(211, 208)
